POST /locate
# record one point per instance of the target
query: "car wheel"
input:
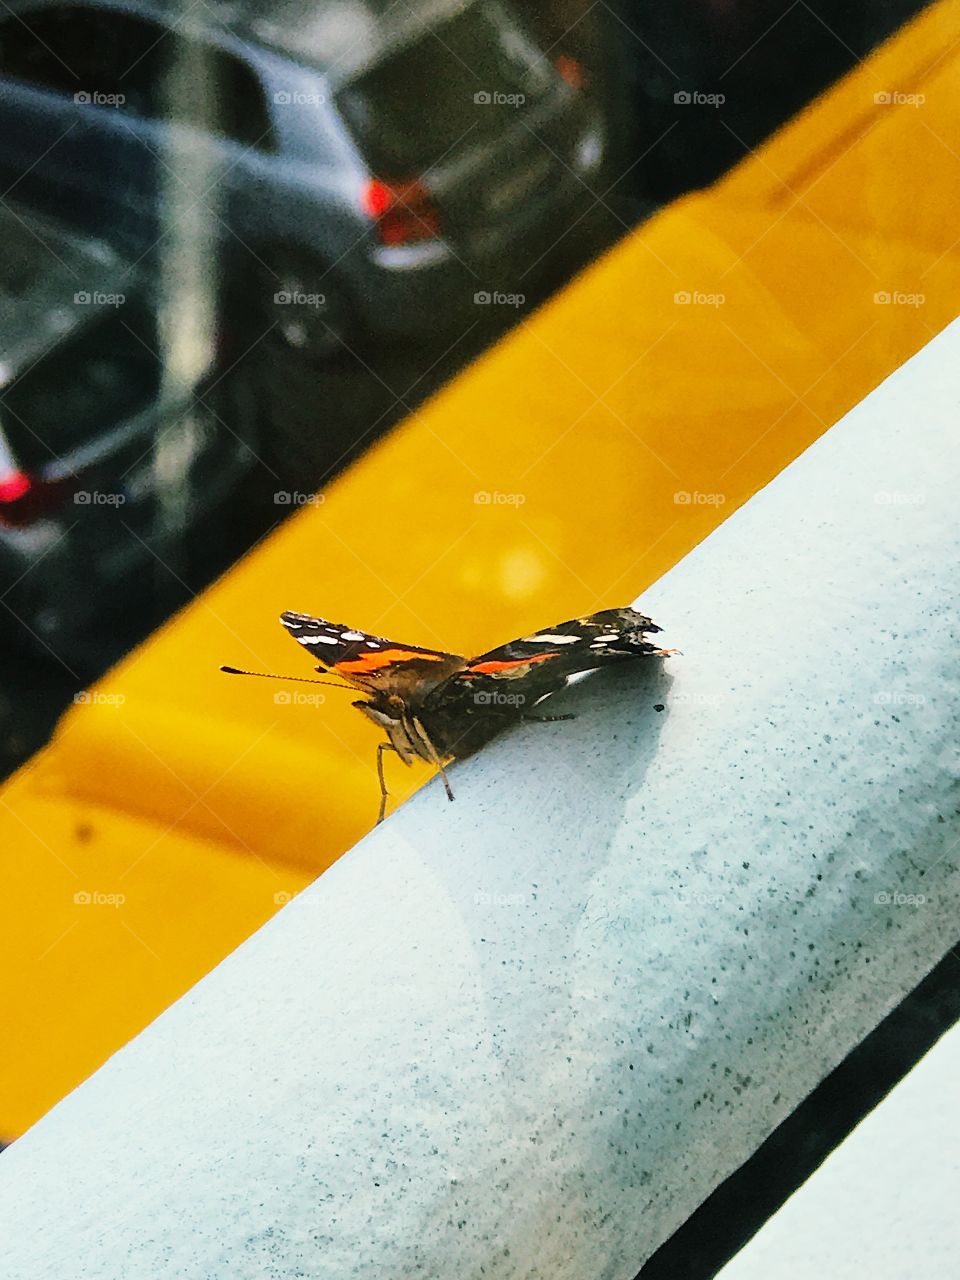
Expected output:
(306, 307)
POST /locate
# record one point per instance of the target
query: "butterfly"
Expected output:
(438, 706)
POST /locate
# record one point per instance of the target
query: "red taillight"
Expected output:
(404, 211)
(24, 498)
(571, 70)
(377, 198)
(13, 486)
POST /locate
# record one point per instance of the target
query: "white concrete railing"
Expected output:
(524, 1035)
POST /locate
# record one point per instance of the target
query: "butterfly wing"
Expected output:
(372, 663)
(545, 660)
(475, 702)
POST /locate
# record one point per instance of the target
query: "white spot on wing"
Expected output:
(318, 639)
(545, 639)
(352, 635)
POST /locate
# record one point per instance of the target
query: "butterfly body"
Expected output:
(434, 705)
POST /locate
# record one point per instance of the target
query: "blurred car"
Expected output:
(102, 477)
(373, 168)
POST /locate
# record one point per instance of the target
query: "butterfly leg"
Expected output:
(384, 746)
(446, 781)
(434, 756)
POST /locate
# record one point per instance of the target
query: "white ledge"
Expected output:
(525, 1034)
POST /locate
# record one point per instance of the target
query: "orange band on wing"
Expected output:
(491, 668)
(376, 660)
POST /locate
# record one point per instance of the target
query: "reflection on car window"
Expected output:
(413, 108)
(102, 54)
(81, 389)
(118, 63)
(233, 107)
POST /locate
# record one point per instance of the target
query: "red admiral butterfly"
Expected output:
(439, 706)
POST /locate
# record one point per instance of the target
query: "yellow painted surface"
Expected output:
(204, 800)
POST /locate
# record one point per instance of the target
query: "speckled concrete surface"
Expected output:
(522, 1036)
(884, 1205)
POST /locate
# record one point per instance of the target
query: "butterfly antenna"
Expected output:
(271, 675)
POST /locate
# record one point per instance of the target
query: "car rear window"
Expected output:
(82, 389)
(451, 86)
